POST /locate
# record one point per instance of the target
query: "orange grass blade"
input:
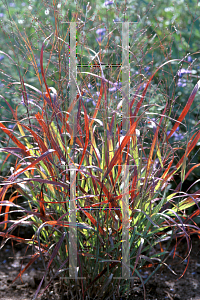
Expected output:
(14, 139)
(94, 222)
(13, 177)
(16, 238)
(46, 131)
(149, 163)
(190, 148)
(120, 160)
(7, 210)
(186, 108)
(73, 104)
(39, 141)
(98, 105)
(41, 200)
(87, 135)
(34, 257)
(116, 157)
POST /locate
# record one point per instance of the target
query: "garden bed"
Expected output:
(163, 285)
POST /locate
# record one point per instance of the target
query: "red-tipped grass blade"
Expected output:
(186, 108)
(87, 135)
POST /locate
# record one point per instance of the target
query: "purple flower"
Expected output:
(168, 132)
(89, 86)
(113, 89)
(122, 132)
(99, 39)
(118, 83)
(108, 3)
(189, 59)
(101, 31)
(177, 136)
(11, 126)
(91, 100)
(143, 86)
(1, 57)
(39, 70)
(12, 4)
(146, 69)
(181, 72)
(1, 15)
(181, 82)
(88, 100)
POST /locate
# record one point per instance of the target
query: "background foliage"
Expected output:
(163, 151)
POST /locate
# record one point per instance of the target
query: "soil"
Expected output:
(163, 285)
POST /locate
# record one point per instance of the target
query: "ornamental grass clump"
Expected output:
(102, 192)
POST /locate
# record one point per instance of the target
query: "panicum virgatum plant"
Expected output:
(53, 168)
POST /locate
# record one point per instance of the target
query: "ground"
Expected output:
(163, 285)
